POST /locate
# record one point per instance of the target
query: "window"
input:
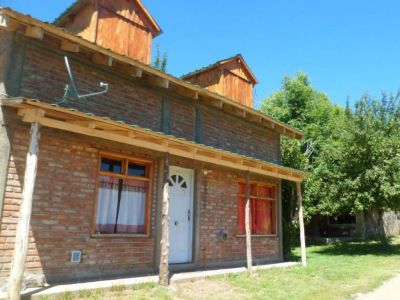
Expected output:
(123, 196)
(262, 208)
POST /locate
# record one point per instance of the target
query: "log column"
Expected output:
(164, 253)
(301, 224)
(247, 225)
(22, 233)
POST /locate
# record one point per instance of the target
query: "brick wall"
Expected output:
(62, 214)
(218, 211)
(182, 120)
(63, 208)
(44, 77)
(240, 137)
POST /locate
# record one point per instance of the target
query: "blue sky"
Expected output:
(348, 47)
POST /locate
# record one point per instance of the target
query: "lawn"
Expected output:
(334, 272)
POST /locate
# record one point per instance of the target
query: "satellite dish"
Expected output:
(71, 89)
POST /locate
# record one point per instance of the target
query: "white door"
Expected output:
(180, 215)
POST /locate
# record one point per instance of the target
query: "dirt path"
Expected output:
(205, 290)
(390, 290)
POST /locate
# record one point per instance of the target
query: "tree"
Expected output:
(359, 166)
(160, 62)
(298, 104)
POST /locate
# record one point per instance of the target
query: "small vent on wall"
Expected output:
(76, 256)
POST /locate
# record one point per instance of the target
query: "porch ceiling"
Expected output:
(72, 120)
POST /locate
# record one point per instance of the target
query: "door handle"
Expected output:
(176, 223)
(189, 215)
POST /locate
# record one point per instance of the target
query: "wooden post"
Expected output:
(22, 234)
(164, 253)
(247, 224)
(301, 224)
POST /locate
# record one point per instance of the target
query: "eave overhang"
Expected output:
(73, 44)
(87, 124)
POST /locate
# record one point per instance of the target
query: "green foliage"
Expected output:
(353, 156)
(160, 62)
(298, 104)
(359, 167)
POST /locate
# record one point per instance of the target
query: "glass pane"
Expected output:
(253, 189)
(111, 165)
(264, 191)
(136, 169)
(173, 177)
(261, 217)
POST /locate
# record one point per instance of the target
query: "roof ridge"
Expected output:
(218, 62)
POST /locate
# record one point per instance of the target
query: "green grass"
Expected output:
(333, 272)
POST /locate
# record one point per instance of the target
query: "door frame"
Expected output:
(191, 230)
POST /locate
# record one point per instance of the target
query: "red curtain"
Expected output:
(261, 216)
(262, 210)
(241, 216)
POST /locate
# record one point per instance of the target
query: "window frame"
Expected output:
(275, 221)
(126, 159)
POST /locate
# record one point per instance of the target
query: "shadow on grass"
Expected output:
(351, 248)
(361, 248)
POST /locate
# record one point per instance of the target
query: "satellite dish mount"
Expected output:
(71, 89)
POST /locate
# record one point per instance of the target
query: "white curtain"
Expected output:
(107, 204)
(132, 209)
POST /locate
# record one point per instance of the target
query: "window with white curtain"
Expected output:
(123, 196)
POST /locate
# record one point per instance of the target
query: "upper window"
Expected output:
(123, 196)
(262, 208)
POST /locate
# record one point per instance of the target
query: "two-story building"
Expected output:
(90, 172)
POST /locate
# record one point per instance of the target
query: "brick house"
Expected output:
(103, 161)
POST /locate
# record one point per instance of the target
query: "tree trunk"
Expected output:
(247, 224)
(164, 253)
(301, 225)
(381, 228)
(22, 234)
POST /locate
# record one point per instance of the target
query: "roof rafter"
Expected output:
(87, 124)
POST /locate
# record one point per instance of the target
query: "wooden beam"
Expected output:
(247, 225)
(102, 59)
(31, 112)
(25, 212)
(88, 124)
(4, 20)
(161, 82)
(34, 32)
(130, 71)
(137, 72)
(164, 254)
(301, 224)
(149, 140)
(69, 47)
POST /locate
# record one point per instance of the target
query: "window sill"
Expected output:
(258, 235)
(116, 235)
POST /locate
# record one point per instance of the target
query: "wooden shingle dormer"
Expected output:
(124, 26)
(230, 77)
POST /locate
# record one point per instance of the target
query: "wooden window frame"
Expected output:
(275, 223)
(126, 159)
